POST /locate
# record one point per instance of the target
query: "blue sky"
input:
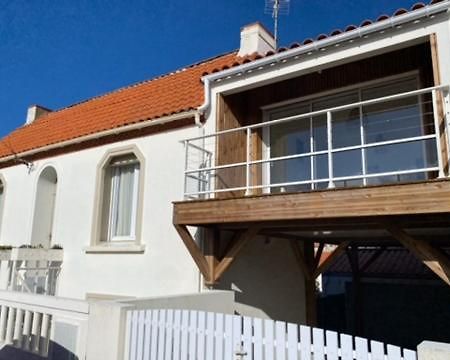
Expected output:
(59, 52)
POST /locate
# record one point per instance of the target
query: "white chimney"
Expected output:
(255, 38)
(35, 112)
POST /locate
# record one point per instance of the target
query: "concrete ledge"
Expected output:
(115, 249)
(430, 350)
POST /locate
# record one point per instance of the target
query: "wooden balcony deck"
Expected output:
(423, 200)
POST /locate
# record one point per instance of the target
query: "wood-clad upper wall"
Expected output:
(245, 108)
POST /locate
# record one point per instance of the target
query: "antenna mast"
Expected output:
(276, 8)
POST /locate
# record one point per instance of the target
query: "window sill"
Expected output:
(115, 249)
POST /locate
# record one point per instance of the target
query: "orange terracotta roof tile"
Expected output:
(169, 94)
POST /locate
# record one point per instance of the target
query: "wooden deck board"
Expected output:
(430, 197)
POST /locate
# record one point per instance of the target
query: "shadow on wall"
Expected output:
(56, 352)
(267, 281)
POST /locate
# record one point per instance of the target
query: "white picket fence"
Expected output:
(187, 334)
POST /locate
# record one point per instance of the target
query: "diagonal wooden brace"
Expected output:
(195, 251)
(237, 244)
(435, 259)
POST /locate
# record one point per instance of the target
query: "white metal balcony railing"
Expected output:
(30, 270)
(204, 179)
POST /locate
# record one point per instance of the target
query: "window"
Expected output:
(120, 199)
(304, 141)
(44, 208)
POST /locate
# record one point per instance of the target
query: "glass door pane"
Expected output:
(346, 132)
(290, 138)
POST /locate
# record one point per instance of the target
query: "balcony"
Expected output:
(328, 143)
(30, 270)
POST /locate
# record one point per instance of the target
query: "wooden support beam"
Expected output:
(440, 99)
(195, 251)
(318, 255)
(310, 285)
(298, 253)
(329, 260)
(235, 248)
(357, 294)
(211, 246)
(434, 258)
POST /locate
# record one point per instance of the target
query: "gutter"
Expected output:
(137, 126)
(415, 15)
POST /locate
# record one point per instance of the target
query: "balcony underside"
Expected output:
(415, 204)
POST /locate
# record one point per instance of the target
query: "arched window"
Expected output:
(44, 208)
(120, 198)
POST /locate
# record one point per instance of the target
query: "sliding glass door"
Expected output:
(361, 140)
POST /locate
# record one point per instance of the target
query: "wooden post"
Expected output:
(211, 245)
(310, 285)
(440, 100)
(357, 298)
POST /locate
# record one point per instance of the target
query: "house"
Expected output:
(226, 173)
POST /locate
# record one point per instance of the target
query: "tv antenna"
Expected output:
(276, 8)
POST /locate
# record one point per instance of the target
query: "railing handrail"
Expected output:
(313, 153)
(321, 112)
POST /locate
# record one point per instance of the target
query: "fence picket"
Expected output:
(280, 336)
(184, 334)
(236, 343)
(228, 340)
(147, 336)
(409, 355)
(177, 335)
(346, 347)
(140, 341)
(161, 333)
(169, 335)
(201, 335)
(305, 342)
(154, 335)
(209, 336)
(393, 352)
(376, 350)
(192, 334)
(218, 337)
(258, 339)
(318, 344)
(247, 338)
(187, 335)
(268, 339)
(361, 350)
(129, 336)
(292, 341)
(134, 335)
(332, 347)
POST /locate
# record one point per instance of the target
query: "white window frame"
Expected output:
(113, 203)
(100, 242)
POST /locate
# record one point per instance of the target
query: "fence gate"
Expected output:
(186, 334)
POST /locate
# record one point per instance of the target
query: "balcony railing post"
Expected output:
(248, 174)
(186, 154)
(446, 95)
(330, 148)
(437, 133)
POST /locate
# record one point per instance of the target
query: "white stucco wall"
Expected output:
(164, 268)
